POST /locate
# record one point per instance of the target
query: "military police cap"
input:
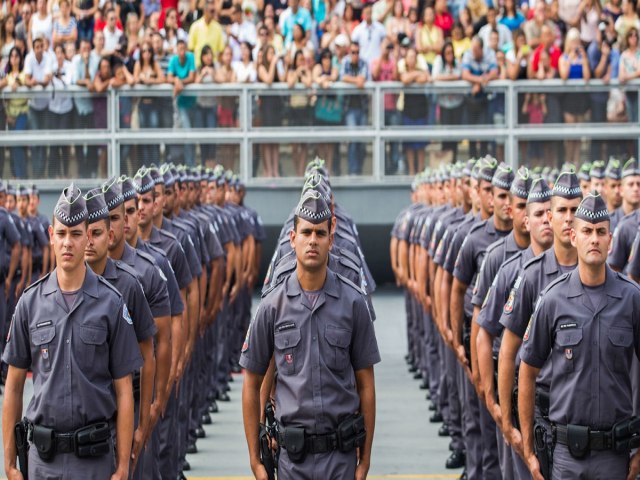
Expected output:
(71, 208)
(488, 166)
(3, 187)
(539, 191)
(593, 209)
(33, 190)
(112, 191)
(22, 190)
(553, 174)
(11, 190)
(96, 205)
(583, 173)
(143, 181)
(167, 176)
(503, 177)
(597, 169)
(567, 186)
(521, 183)
(456, 171)
(614, 169)
(129, 188)
(313, 208)
(156, 175)
(468, 167)
(630, 168)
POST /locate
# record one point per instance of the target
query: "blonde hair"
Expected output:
(572, 35)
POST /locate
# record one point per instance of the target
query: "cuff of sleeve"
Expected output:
(493, 329)
(148, 333)
(127, 368)
(161, 311)
(512, 327)
(15, 361)
(253, 366)
(371, 361)
(531, 359)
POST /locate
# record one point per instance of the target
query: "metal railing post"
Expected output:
(113, 116)
(511, 107)
(246, 121)
(377, 147)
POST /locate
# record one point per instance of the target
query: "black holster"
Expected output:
(351, 433)
(543, 449)
(22, 447)
(266, 454)
(626, 435)
(578, 440)
(466, 339)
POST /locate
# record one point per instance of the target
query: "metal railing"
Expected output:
(248, 125)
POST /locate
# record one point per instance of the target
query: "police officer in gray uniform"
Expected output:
(317, 327)
(73, 330)
(535, 275)
(123, 278)
(611, 192)
(625, 231)
(586, 325)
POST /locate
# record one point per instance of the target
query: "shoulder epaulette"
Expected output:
(561, 279)
(350, 283)
(111, 287)
(126, 268)
(37, 282)
(351, 256)
(148, 257)
(477, 226)
(344, 261)
(533, 261)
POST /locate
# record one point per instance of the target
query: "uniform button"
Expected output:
(68, 340)
(314, 339)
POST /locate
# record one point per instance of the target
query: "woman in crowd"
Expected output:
(171, 32)
(16, 110)
(7, 38)
(460, 42)
(101, 84)
(299, 43)
(349, 18)
(588, 16)
(629, 69)
(41, 23)
(299, 75)
(444, 19)
(65, 28)
(334, 28)
(446, 68)
(134, 35)
(510, 16)
(245, 68)
(227, 106)
(429, 38)
(612, 10)
(628, 19)
(207, 104)
(414, 107)
(398, 24)
(270, 72)
(574, 64)
(328, 108)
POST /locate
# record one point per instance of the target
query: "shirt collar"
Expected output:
(576, 288)
(89, 286)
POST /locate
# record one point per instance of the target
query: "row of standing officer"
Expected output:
(311, 346)
(475, 251)
(165, 260)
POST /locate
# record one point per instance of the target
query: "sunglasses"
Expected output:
(355, 52)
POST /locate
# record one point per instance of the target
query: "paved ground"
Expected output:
(406, 445)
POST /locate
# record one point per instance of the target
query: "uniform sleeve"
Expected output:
(633, 268)
(519, 306)
(364, 346)
(493, 303)
(622, 240)
(11, 232)
(452, 253)
(257, 349)
(124, 353)
(173, 290)
(157, 296)
(463, 269)
(180, 266)
(487, 273)
(40, 235)
(204, 246)
(17, 351)
(537, 337)
(143, 322)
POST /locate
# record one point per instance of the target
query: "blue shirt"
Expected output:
(301, 17)
(479, 67)
(182, 71)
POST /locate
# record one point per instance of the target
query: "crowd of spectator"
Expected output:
(103, 44)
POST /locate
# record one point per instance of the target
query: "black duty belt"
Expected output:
(597, 439)
(315, 443)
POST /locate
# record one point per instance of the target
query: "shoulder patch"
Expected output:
(161, 273)
(126, 315)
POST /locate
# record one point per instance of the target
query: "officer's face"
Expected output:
(99, 239)
(145, 209)
(130, 220)
(204, 188)
(68, 244)
(193, 193)
(11, 203)
(158, 200)
(612, 192)
(116, 226)
(34, 203)
(312, 244)
(519, 214)
(597, 184)
(23, 205)
(591, 241)
(562, 213)
(585, 186)
(630, 190)
(169, 200)
(502, 204)
(537, 222)
(485, 195)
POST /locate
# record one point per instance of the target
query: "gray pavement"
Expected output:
(406, 445)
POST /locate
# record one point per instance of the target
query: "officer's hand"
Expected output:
(234, 293)
(259, 472)
(7, 287)
(14, 474)
(120, 475)
(534, 467)
(19, 288)
(138, 442)
(496, 412)
(514, 438)
(634, 466)
(361, 471)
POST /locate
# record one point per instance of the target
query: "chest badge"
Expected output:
(288, 358)
(568, 353)
(45, 353)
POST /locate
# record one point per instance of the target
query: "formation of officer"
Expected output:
(138, 298)
(520, 304)
(310, 349)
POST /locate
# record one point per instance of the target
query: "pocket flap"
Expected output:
(287, 339)
(566, 338)
(337, 337)
(93, 335)
(621, 337)
(42, 336)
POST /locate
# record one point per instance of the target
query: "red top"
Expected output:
(445, 22)
(554, 56)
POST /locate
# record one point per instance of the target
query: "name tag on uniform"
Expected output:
(564, 326)
(44, 324)
(286, 326)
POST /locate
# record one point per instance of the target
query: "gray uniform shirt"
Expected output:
(159, 257)
(591, 349)
(316, 350)
(170, 245)
(74, 355)
(623, 237)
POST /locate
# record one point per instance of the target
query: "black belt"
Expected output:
(598, 439)
(315, 443)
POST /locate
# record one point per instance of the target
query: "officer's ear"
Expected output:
(572, 236)
(51, 234)
(527, 224)
(292, 237)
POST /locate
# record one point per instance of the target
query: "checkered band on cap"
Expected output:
(593, 209)
(156, 175)
(487, 168)
(96, 205)
(313, 208)
(128, 186)
(71, 208)
(521, 183)
(112, 191)
(143, 181)
(614, 169)
(597, 169)
(567, 186)
(630, 168)
(503, 177)
(539, 191)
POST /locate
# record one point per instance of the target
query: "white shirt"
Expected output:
(369, 37)
(61, 103)
(504, 35)
(111, 39)
(244, 73)
(38, 71)
(244, 32)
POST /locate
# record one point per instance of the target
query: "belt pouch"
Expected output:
(578, 440)
(98, 432)
(45, 441)
(294, 441)
(93, 450)
(351, 433)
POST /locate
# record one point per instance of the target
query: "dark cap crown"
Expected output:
(539, 191)
(96, 205)
(567, 186)
(313, 208)
(71, 208)
(521, 183)
(593, 209)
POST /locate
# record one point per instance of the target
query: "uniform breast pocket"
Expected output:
(287, 351)
(620, 340)
(93, 345)
(339, 340)
(568, 345)
(44, 348)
